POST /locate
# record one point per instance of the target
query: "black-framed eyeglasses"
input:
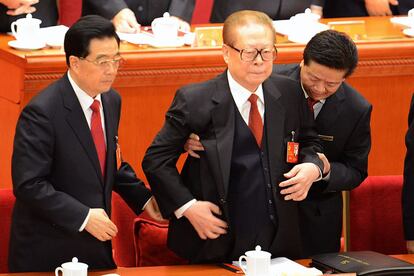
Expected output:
(105, 62)
(266, 54)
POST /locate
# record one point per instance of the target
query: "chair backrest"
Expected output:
(375, 216)
(123, 243)
(140, 241)
(6, 206)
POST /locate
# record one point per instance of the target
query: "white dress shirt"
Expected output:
(317, 107)
(86, 101)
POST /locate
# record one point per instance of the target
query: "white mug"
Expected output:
(411, 13)
(73, 268)
(257, 262)
(26, 30)
(165, 28)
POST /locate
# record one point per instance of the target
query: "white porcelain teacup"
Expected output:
(257, 262)
(411, 16)
(165, 28)
(26, 30)
(73, 268)
(411, 13)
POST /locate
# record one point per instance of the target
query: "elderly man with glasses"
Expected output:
(259, 159)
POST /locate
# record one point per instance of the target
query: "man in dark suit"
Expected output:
(45, 10)
(408, 186)
(64, 164)
(242, 192)
(342, 118)
(275, 9)
(126, 13)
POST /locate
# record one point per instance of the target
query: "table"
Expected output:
(150, 77)
(181, 270)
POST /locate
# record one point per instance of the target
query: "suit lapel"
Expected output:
(330, 110)
(295, 74)
(274, 122)
(223, 121)
(76, 119)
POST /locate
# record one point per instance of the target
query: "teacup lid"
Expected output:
(166, 19)
(75, 265)
(258, 253)
(307, 15)
(29, 19)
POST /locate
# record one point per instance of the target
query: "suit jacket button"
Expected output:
(223, 201)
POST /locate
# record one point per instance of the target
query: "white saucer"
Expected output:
(33, 46)
(167, 43)
(54, 43)
(409, 32)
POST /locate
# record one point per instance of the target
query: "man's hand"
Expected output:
(100, 226)
(201, 216)
(316, 10)
(379, 7)
(410, 247)
(17, 7)
(300, 179)
(326, 164)
(193, 144)
(21, 10)
(153, 211)
(125, 21)
(14, 4)
(182, 25)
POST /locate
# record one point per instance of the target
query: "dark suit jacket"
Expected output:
(46, 10)
(208, 109)
(345, 117)
(408, 187)
(145, 10)
(57, 178)
(276, 9)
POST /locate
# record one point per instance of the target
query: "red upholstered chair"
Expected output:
(123, 243)
(375, 215)
(140, 241)
(151, 244)
(6, 206)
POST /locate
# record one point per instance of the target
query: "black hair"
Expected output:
(332, 49)
(79, 36)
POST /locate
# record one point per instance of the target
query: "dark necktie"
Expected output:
(255, 120)
(98, 134)
(311, 103)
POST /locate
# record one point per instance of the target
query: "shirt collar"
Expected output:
(241, 94)
(306, 94)
(84, 99)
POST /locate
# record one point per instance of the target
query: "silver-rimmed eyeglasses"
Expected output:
(103, 63)
(251, 54)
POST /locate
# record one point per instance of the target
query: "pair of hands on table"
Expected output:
(126, 22)
(202, 214)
